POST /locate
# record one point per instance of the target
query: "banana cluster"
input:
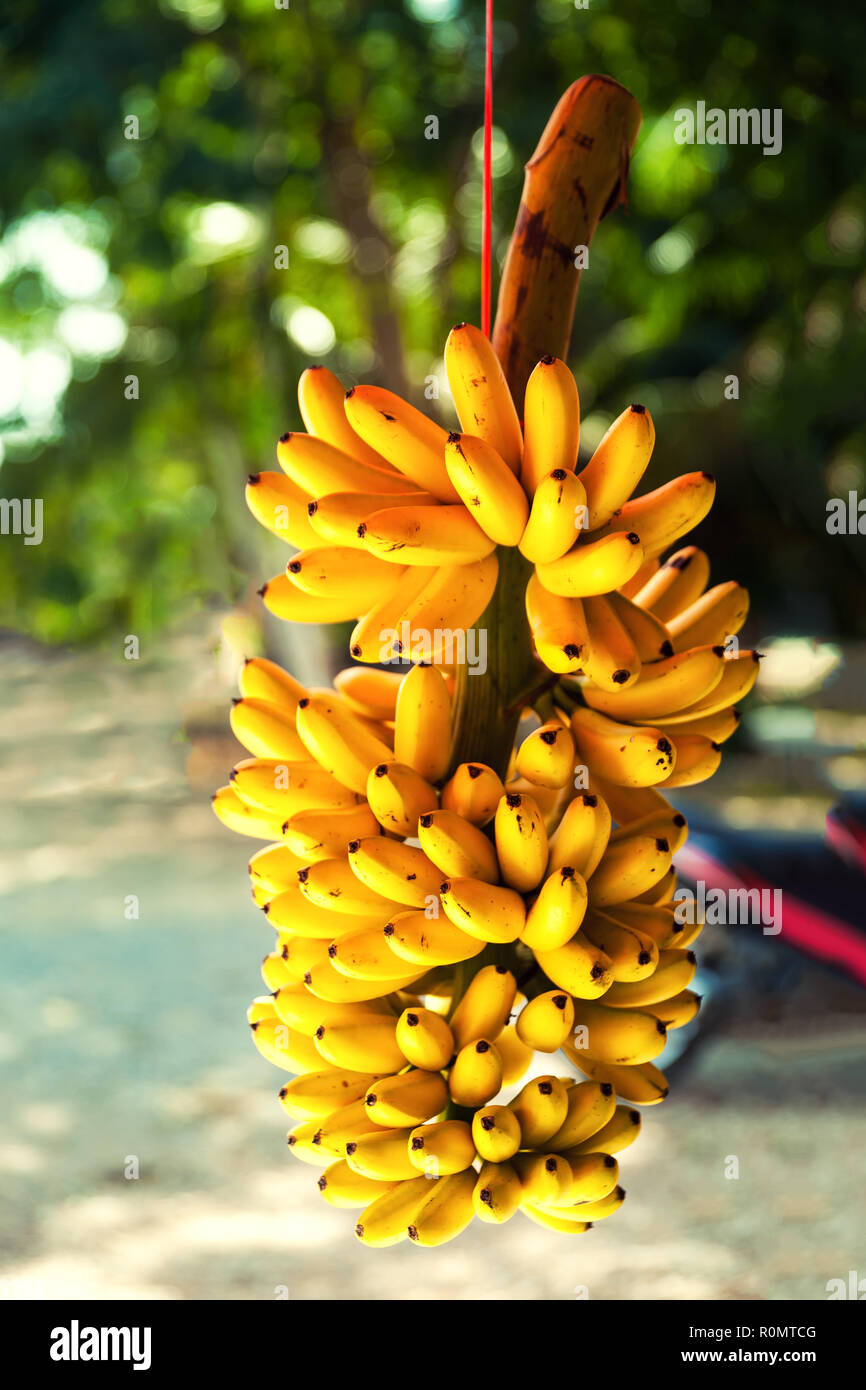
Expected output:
(397, 524)
(434, 934)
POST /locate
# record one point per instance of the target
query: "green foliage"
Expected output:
(260, 127)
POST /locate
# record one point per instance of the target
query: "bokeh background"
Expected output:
(155, 258)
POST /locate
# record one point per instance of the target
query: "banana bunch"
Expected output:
(396, 522)
(434, 934)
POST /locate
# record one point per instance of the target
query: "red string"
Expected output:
(487, 203)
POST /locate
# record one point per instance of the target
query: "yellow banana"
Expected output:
(283, 1046)
(321, 397)
(595, 566)
(650, 636)
(544, 1177)
(375, 636)
(266, 730)
(718, 727)
(485, 1007)
(556, 517)
(618, 464)
(540, 1107)
(629, 867)
(407, 1099)
(546, 757)
(422, 730)
(457, 847)
(368, 1045)
(516, 1057)
(622, 1037)
(425, 1039)
(303, 1011)
(382, 1156)
(387, 1219)
(369, 693)
(331, 884)
(339, 572)
(651, 919)
(424, 941)
(663, 891)
(476, 1074)
(546, 1021)
(330, 984)
(663, 687)
(339, 741)
(342, 1127)
(282, 597)
(280, 506)
(591, 1105)
(643, 576)
(303, 1143)
(412, 535)
(286, 789)
(611, 661)
(496, 1133)
(551, 422)
(624, 754)
(660, 517)
(339, 517)
(578, 967)
(319, 468)
(341, 1187)
(473, 793)
(365, 955)
(433, 621)
(739, 674)
(260, 679)
(677, 1011)
(712, 618)
(581, 838)
(697, 759)
(276, 868)
(244, 819)
(498, 1192)
(395, 870)
(276, 971)
(640, 1085)
(408, 439)
(593, 1177)
(262, 1007)
(322, 913)
(558, 627)
(616, 1134)
(555, 1223)
(557, 912)
(633, 954)
(441, 1149)
(447, 1210)
(313, 835)
(628, 804)
(480, 392)
(521, 842)
(397, 795)
(318, 1094)
(669, 824)
(673, 974)
(483, 911)
(487, 487)
(676, 584)
(596, 1211)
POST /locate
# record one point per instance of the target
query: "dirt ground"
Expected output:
(124, 1049)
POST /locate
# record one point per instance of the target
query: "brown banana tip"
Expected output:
(644, 958)
(445, 887)
(389, 930)
(236, 699)
(637, 409)
(266, 909)
(691, 957)
(412, 1232)
(596, 972)
(664, 745)
(572, 651)
(454, 437)
(322, 1183)
(458, 326)
(412, 1020)
(620, 677)
(545, 1088)
(253, 478)
(662, 845)
(666, 648)
(550, 736)
(717, 748)
(606, 1088)
(417, 1144)
(560, 1000)
(350, 393)
(487, 1122)
(308, 978)
(737, 714)
(566, 872)
(550, 1164)
(354, 846)
(486, 1197)
(758, 656)
(609, 1161)
(312, 508)
(332, 951)
(620, 1192)
(284, 438)
(254, 1026)
(661, 1027)
(473, 771)
(320, 1031)
(482, 1046)
(633, 537)
(303, 875)
(502, 969)
(262, 591)
(718, 651)
(284, 827)
(351, 1147)
(513, 800)
(294, 567)
(380, 770)
(302, 704)
(547, 360)
(634, 1116)
(359, 1230)
(679, 819)
(589, 799)
(356, 650)
(709, 477)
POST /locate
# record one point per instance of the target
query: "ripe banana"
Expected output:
(404, 436)
(387, 1219)
(697, 759)
(640, 1085)
(397, 795)
(447, 1210)
(676, 584)
(317, 1094)
(546, 757)
(498, 1192)
(375, 637)
(368, 1045)
(321, 397)
(624, 754)
(595, 566)
(662, 516)
(557, 912)
(407, 1099)
(480, 392)
(339, 741)
(412, 535)
(476, 1074)
(280, 506)
(673, 973)
(739, 674)
(617, 1134)
(544, 1177)
(540, 1108)
(633, 954)
(671, 825)
(558, 627)
(342, 1187)
(521, 841)
(420, 940)
(485, 1007)
(342, 573)
(282, 597)
(382, 1155)
(422, 729)
(581, 838)
(546, 1021)
(650, 636)
(551, 422)
(483, 910)
(611, 661)
(319, 468)
(630, 866)
(621, 1037)
(425, 1039)
(339, 517)
(578, 967)
(267, 730)
(452, 600)
(556, 517)
(591, 1105)
(458, 848)
(496, 1133)
(487, 487)
(283, 1046)
(663, 687)
(473, 793)
(712, 618)
(618, 464)
(244, 819)
(395, 870)
(314, 835)
(677, 1011)
(441, 1149)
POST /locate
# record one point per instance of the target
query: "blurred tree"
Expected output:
(202, 198)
